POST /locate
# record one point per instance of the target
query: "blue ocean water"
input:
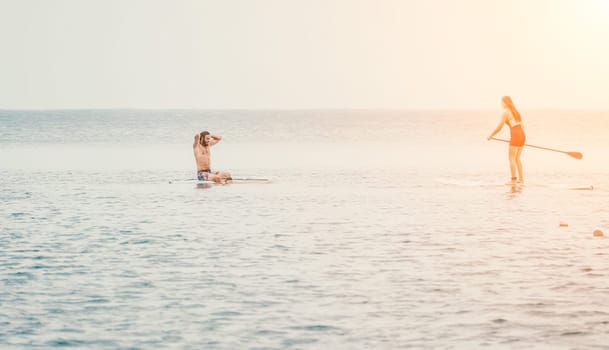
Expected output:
(379, 229)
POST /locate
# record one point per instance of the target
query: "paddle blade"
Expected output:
(575, 155)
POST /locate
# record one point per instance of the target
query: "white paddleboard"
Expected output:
(235, 181)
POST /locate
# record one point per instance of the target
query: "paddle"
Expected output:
(575, 155)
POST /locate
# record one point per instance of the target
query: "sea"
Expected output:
(377, 229)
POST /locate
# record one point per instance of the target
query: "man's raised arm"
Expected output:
(215, 139)
(197, 141)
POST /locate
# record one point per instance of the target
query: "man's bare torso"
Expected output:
(202, 157)
(202, 149)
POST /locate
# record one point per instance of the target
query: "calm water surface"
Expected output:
(379, 229)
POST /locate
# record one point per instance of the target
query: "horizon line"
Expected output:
(295, 109)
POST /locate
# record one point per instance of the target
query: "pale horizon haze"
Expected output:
(270, 54)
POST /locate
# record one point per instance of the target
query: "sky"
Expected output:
(309, 54)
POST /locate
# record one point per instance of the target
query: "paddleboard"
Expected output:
(480, 183)
(236, 181)
(563, 187)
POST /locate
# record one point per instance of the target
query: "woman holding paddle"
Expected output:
(511, 118)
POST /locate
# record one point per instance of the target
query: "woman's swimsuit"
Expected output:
(517, 136)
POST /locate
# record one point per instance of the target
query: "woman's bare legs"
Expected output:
(519, 165)
(513, 163)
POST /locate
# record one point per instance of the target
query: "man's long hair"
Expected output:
(202, 138)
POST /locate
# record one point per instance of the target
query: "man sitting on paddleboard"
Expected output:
(201, 148)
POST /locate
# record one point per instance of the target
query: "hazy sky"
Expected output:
(303, 54)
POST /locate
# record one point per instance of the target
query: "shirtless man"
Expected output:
(201, 149)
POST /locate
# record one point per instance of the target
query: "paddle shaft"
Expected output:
(572, 154)
(526, 144)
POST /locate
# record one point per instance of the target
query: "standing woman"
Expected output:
(511, 117)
